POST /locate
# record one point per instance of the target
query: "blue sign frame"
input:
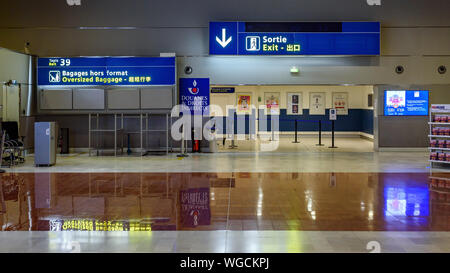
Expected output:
(338, 38)
(95, 71)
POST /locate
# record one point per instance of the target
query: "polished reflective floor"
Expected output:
(330, 160)
(225, 201)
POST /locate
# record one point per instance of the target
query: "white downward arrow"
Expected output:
(224, 42)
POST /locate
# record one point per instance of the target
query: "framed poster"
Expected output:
(272, 103)
(317, 103)
(244, 102)
(294, 104)
(340, 103)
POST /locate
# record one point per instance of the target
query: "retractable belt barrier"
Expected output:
(296, 126)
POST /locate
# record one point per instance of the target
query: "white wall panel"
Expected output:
(55, 99)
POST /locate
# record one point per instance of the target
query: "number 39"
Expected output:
(64, 62)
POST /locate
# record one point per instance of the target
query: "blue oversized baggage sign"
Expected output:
(92, 71)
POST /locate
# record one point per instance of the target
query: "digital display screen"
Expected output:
(406, 103)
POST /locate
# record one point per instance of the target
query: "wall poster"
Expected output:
(294, 104)
(272, 103)
(244, 102)
(340, 103)
(317, 103)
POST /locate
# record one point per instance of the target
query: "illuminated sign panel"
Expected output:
(106, 71)
(296, 38)
(406, 103)
(194, 93)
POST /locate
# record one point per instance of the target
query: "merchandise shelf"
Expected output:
(439, 123)
(438, 136)
(438, 161)
(438, 149)
(436, 110)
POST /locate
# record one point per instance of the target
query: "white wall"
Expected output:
(13, 66)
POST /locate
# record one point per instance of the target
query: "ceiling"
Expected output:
(145, 27)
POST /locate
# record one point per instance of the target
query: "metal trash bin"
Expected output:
(64, 140)
(45, 143)
(213, 148)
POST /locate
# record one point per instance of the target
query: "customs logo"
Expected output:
(194, 89)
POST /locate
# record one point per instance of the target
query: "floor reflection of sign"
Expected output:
(195, 209)
(163, 227)
(223, 183)
(244, 175)
(406, 201)
(340, 103)
(332, 180)
(10, 190)
(97, 225)
(42, 189)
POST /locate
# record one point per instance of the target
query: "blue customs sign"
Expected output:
(194, 93)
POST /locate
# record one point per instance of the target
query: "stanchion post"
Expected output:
(332, 135)
(320, 134)
(296, 132)
(183, 143)
(271, 128)
(231, 124)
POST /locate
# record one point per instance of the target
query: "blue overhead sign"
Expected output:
(106, 71)
(297, 38)
(223, 38)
